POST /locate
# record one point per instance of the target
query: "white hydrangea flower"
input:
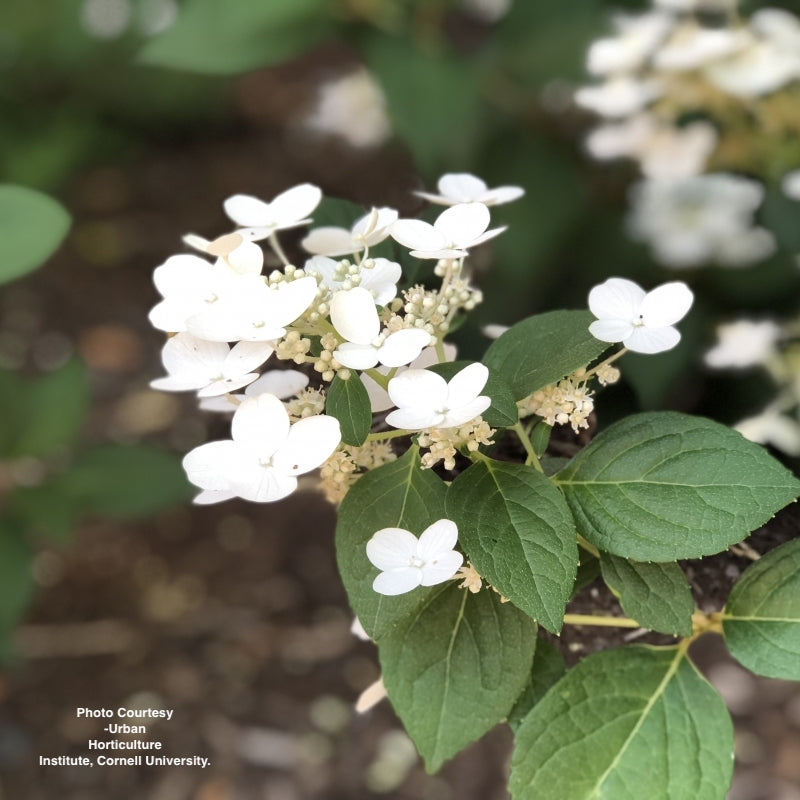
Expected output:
(380, 280)
(213, 368)
(641, 320)
(355, 318)
(259, 220)
(772, 427)
(426, 400)
(693, 46)
(637, 37)
(265, 455)
(791, 184)
(250, 309)
(456, 230)
(282, 383)
(461, 187)
(367, 231)
(407, 562)
(744, 343)
(619, 96)
(242, 255)
(699, 219)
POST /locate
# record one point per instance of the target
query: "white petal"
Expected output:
(617, 298)
(354, 316)
(442, 569)
(282, 383)
(261, 425)
(502, 194)
(356, 356)
(176, 384)
(463, 414)
(209, 465)
(461, 187)
(325, 267)
(460, 225)
(666, 304)
(310, 442)
(417, 235)
(402, 347)
(484, 237)
(611, 330)
(247, 258)
(466, 385)
(289, 300)
(179, 272)
(437, 538)
(390, 548)
(330, 241)
(208, 497)
(245, 357)
(371, 696)
(247, 211)
(226, 386)
(415, 419)
(262, 484)
(381, 280)
(439, 254)
(418, 388)
(652, 340)
(187, 357)
(397, 581)
(379, 399)
(294, 204)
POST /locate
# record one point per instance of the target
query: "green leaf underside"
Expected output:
(548, 669)
(517, 531)
(502, 413)
(396, 495)
(348, 401)
(543, 349)
(32, 226)
(626, 724)
(454, 668)
(761, 621)
(662, 486)
(657, 596)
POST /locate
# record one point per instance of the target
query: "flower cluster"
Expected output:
(682, 94)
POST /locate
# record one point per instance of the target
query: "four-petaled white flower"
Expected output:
(426, 400)
(211, 367)
(407, 562)
(369, 230)
(355, 318)
(259, 220)
(461, 187)
(380, 280)
(641, 320)
(266, 454)
(456, 230)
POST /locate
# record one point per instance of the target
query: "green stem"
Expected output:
(609, 622)
(379, 378)
(588, 546)
(440, 350)
(526, 443)
(610, 360)
(276, 246)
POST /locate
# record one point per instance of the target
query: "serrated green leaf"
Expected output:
(626, 724)
(543, 349)
(397, 495)
(124, 481)
(348, 402)
(518, 533)
(662, 486)
(761, 621)
(32, 226)
(454, 668)
(657, 596)
(502, 413)
(548, 668)
(228, 38)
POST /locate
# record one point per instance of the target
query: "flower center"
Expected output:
(416, 561)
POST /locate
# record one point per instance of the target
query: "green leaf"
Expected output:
(502, 413)
(626, 724)
(548, 669)
(348, 401)
(397, 495)
(662, 486)
(337, 212)
(588, 571)
(517, 531)
(42, 415)
(228, 38)
(32, 226)
(16, 581)
(124, 481)
(543, 349)
(454, 668)
(761, 621)
(657, 596)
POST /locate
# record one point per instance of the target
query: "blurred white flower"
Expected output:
(426, 400)
(369, 230)
(642, 321)
(355, 318)
(772, 427)
(265, 455)
(461, 187)
(407, 562)
(693, 46)
(791, 184)
(743, 343)
(619, 96)
(700, 219)
(456, 230)
(259, 220)
(380, 279)
(636, 40)
(352, 106)
(213, 368)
